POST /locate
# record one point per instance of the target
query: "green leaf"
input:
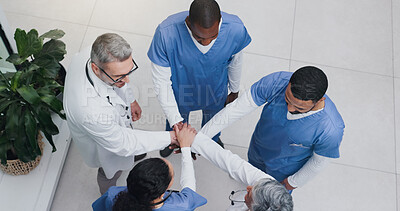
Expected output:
(22, 148)
(50, 140)
(47, 125)
(52, 49)
(5, 104)
(54, 104)
(12, 119)
(53, 34)
(50, 66)
(15, 59)
(15, 80)
(45, 121)
(29, 94)
(27, 44)
(5, 145)
(31, 131)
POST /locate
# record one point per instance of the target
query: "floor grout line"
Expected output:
(292, 41)
(394, 110)
(45, 18)
(127, 32)
(364, 168)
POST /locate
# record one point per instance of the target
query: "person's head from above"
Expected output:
(306, 90)
(111, 59)
(268, 195)
(203, 20)
(146, 184)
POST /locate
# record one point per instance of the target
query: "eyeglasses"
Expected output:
(237, 196)
(123, 76)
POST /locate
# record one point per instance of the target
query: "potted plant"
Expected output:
(28, 99)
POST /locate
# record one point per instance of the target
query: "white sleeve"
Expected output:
(187, 171)
(230, 114)
(313, 166)
(165, 94)
(238, 168)
(235, 72)
(125, 141)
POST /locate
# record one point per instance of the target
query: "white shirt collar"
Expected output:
(290, 116)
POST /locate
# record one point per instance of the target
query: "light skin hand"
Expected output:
(185, 135)
(179, 124)
(136, 111)
(287, 185)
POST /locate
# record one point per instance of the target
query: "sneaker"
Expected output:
(220, 143)
(166, 152)
(139, 157)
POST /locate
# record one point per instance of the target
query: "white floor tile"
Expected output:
(397, 123)
(270, 29)
(77, 188)
(346, 34)
(73, 37)
(347, 189)
(398, 192)
(74, 11)
(140, 16)
(365, 102)
(396, 36)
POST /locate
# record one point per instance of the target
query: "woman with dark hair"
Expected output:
(148, 183)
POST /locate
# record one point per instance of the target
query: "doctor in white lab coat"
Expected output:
(100, 109)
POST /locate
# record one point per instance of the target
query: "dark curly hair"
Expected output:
(147, 181)
(309, 83)
(204, 12)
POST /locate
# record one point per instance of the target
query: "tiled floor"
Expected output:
(357, 43)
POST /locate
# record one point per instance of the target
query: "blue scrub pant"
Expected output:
(207, 115)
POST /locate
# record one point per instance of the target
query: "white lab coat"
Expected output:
(99, 118)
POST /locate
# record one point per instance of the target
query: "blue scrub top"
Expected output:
(186, 200)
(199, 81)
(280, 147)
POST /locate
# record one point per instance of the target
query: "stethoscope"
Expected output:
(108, 97)
(233, 201)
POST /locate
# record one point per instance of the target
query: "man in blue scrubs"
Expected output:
(196, 55)
(299, 130)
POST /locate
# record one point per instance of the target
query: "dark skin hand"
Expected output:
(231, 97)
(287, 185)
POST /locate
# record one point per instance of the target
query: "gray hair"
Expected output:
(110, 47)
(270, 195)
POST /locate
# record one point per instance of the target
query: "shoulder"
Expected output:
(276, 78)
(173, 20)
(230, 18)
(186, 199)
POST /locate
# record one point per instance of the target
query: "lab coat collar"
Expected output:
(104, 90)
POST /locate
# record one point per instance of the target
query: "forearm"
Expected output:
(165, 94)
(238, 168)
(187, 171)
(313, 166)
(230, 114)
(127, 142)
(235, 72)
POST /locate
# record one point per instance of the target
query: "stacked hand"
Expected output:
(185, 134)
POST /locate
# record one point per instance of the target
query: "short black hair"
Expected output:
(204, 12)
(309, 83)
